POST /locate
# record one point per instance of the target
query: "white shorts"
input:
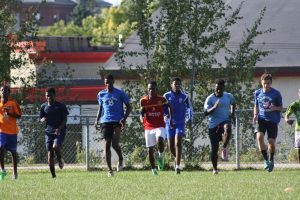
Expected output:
(152, 135)
(297, 139)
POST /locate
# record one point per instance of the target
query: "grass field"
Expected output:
(70, 184)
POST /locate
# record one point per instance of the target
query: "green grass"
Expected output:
(244, 184)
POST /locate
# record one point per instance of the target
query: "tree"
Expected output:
(183, 40)
(80, 12)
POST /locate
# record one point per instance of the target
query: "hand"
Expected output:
(216, 103)
(171, 123)
(96, 124)
(43, 120)
(272, 107)
(57, 131)
(254, 119)
(122, 122)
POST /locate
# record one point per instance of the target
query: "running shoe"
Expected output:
(271, 166)
(215, 172)
(178, 170)
(224, 154)
(110, 174)
(266, 164)
(120, 167)
(14, 177)
(61, 164)
(2, 175)
(154, 172)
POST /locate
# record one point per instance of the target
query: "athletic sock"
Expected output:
(265, 154)
(160, 154)
(272, 157)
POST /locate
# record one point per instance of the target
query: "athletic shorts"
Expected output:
(268, 126)
(108, 129)
(216, 133)
(52, 139)
(9, 141)
(152, 135)
(177, 129)
(297, 139)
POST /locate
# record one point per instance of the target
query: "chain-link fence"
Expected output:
(82, 147)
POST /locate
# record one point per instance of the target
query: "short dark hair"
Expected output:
(266, 76)
(109, 76)
(51, 90)
(152, 82)
(175, 79)
(220, 82)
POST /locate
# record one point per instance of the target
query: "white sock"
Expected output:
(177, 166)
(160, 154)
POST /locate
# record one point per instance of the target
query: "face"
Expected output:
(109, 83)
(50, 97)
(176, 86)
(219, 89)
(4, 92)
(151, 90)
(266, 84)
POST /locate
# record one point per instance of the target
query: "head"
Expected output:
(152, 88)
(109, 82)
(176, 84)
(266, 82)
(50, 94)
(5, 92)
(219, 87)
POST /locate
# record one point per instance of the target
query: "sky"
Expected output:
(114, 2)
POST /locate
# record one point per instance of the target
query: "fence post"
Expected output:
(237, 140)
(87, 144)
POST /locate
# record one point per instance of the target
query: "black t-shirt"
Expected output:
(55, 114)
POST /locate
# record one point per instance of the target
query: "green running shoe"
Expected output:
(266, 164)
(154, 172)
(2, 175)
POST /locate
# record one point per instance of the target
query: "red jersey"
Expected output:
(153, 111)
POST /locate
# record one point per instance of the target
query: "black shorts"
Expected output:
(268, 126)
(216, 133)
(108, 129)
(51, 139)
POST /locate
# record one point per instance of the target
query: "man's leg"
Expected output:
(214, 141)
(298, 155)
(51, 162)
(263, 149)
(14, 159)
(3, 172)
(116, 146)
(57, 151)
(108, 153)
(225, 138)
(272, 149)
(178, 146)
(161, 147)
(171, 145)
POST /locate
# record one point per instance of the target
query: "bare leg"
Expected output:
(178, 146)
(161, 145)
(171, 145)
(108, 153)
(116, 144)
(151, 157)
(2, 158)
(14, 159)
(51, 162)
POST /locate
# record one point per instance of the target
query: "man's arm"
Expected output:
(255, 114)
(98, 115)
(127, 112)
(212, 109)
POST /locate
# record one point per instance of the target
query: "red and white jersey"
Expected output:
(153, 111)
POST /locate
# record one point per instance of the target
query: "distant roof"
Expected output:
(281, 15)
(62, 2)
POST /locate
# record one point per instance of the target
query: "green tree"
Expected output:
(183, 39)
(80, 12)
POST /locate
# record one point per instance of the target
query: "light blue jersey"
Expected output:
(180, 105)
(264, 100)
(222, 112)
(112, 105)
